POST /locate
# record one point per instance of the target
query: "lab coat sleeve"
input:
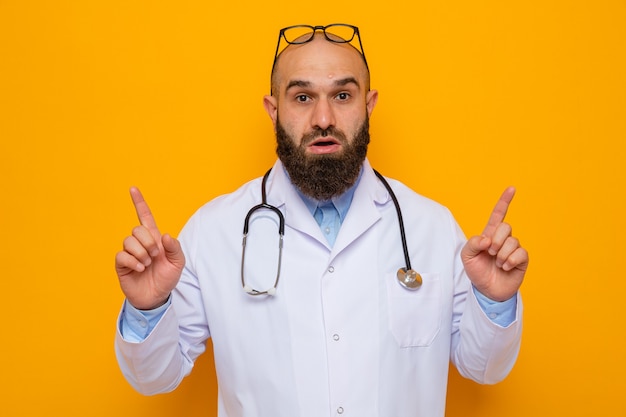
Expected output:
(156, 364)
(160, 362)
(481, 349)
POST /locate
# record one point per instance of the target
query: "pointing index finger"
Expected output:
(143, 211)
(499, 211)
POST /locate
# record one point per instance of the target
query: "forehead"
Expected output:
(320, 60)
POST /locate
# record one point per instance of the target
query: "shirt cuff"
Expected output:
(136, 325)
(501, 313)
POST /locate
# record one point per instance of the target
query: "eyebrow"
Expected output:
(298, 83)
(346, 81)
(306, 84)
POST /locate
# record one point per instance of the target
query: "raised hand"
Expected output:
(150, 264)
(495, 262)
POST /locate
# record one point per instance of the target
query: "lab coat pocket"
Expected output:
(415, 315)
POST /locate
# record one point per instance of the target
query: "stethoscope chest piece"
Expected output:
(409, 279)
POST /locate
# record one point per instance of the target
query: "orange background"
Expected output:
(96, 96)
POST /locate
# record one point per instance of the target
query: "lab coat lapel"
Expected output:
(363, 212)
(282, 194)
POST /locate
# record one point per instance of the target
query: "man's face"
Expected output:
(321, 104)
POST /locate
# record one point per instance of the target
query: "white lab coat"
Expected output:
(341, 337)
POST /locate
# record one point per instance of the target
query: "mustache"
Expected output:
(322, 133)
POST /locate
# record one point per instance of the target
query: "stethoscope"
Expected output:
(407, 277)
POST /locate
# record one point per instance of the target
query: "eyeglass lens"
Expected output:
(334, 33)
(337, 32)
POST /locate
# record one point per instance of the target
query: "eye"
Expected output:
(302, 98)
(343, 96)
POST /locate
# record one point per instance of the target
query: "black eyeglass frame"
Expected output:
(314, 29)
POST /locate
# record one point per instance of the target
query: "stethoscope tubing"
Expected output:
(405, 247)
(406, 276)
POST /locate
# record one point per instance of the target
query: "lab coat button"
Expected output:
(335, 337)
(340, 410)
(331, 269)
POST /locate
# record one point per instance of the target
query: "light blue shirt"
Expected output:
(136, 325)
(330, 214)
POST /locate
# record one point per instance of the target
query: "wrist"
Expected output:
(492, 299)
(151, 307)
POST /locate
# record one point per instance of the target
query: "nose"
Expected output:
(323, 115)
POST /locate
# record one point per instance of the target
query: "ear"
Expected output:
(271, 107)
(370, 101)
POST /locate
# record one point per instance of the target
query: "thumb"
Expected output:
(475, 246)
(173, 251)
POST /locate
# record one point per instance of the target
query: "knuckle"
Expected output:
(522, 255)
(137, 230)
(119, 257)
(518, 256)
(123, 259)
(128, 242)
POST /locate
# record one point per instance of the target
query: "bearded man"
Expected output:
(322, 323)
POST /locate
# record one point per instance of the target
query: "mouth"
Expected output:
(324, 145)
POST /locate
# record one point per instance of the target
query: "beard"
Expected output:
(327, 175)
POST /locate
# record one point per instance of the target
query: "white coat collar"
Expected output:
(363, 213)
